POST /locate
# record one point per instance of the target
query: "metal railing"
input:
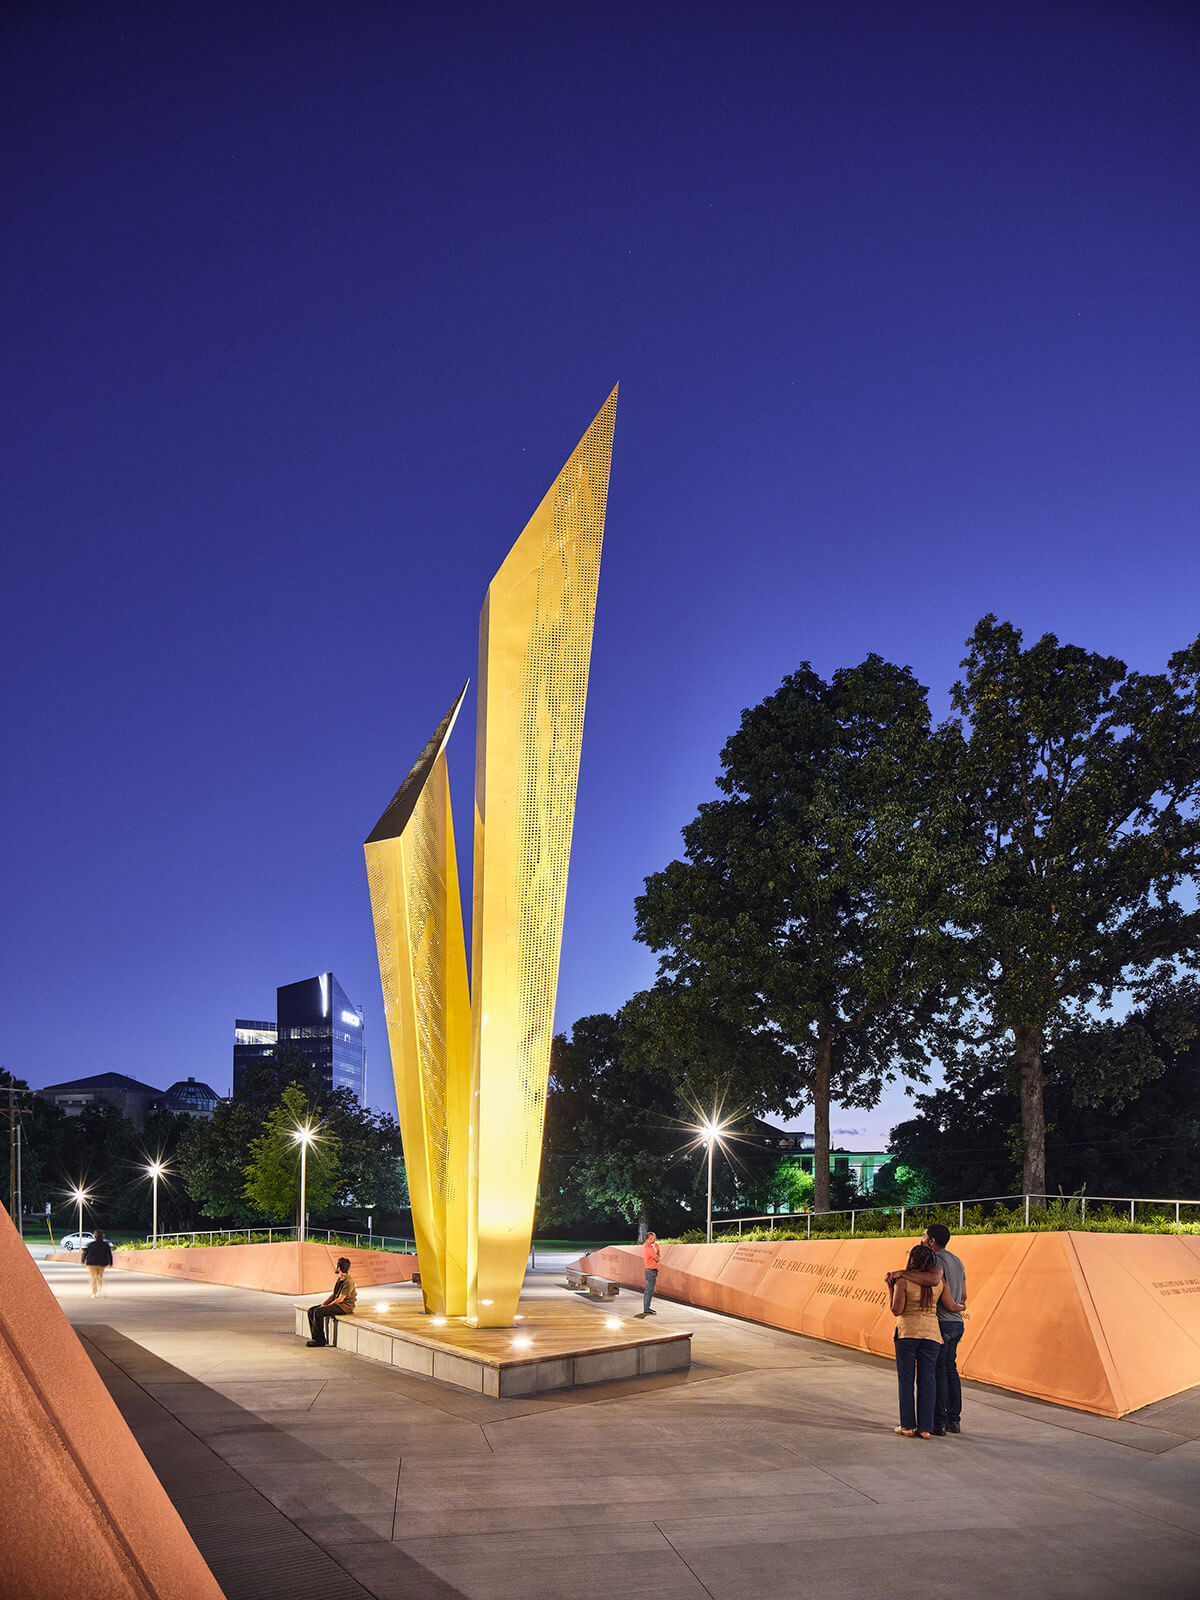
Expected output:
(790, 1219)
(377, 1241)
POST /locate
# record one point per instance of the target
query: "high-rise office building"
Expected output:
(318, 1018)
(252, 1041)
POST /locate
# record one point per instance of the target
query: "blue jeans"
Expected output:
(651, 1280)
(948, 1405)
(917, 1358)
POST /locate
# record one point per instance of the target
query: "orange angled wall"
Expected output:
(284, 1268)
(81, 1512)
(1103, 1322)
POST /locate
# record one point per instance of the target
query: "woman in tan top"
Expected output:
(917, 1339)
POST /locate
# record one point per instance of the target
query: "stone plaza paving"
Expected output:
(769, 1470)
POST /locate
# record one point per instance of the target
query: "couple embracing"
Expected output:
(928, 1298)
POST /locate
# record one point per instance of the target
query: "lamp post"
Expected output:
(303, 1137)
(155, 1171)
(710, 1139)
(710, 1131)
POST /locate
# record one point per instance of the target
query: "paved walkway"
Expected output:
(770, 1470)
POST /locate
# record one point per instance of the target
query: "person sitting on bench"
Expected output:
(340, 1304)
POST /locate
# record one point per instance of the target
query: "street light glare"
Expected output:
(304, 1136)
(709, 1130)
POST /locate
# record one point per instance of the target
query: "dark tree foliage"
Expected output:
(611, 1152)
(264, 1081)
(213, 1159)
(620, 1146)
(45, 1138)
(1139, 1138)
(808, 915)
(371, 1155)
(1081, 780)
(103, 1151)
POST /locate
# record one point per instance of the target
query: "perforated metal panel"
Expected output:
(427, 954)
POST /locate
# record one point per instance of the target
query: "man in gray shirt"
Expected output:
(947, 1410)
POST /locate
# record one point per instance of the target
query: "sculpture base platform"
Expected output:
(569, 1346)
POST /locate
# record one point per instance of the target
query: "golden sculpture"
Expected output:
(476, 1194)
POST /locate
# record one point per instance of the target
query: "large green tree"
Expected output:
(272, 1174)
(809, 912)
(1082, 780)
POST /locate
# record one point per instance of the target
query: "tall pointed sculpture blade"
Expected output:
(413, 878)
(535, 639)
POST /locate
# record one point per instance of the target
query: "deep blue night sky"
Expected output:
(305, 305)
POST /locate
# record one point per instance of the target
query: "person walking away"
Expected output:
(341, 1303)
(917, 1338)
(650, 1261)
(96, 1256)
(947, 1412)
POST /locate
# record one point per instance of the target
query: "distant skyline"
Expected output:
(303, 311)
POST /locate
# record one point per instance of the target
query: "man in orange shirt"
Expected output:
(650, 1257)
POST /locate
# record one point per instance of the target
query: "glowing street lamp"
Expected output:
(79, 1194)
(710, 1132)
(154, 1172)
(303, 1136)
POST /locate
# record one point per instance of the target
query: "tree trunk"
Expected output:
(643, 1223)
(822, 1073)
(1032, 1081)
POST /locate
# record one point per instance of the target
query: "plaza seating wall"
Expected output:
(1106, 1323)
(282, 1268)
(81, 1510)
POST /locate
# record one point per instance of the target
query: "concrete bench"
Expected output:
(588, 1283)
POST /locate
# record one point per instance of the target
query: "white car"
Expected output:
(75, 1241)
